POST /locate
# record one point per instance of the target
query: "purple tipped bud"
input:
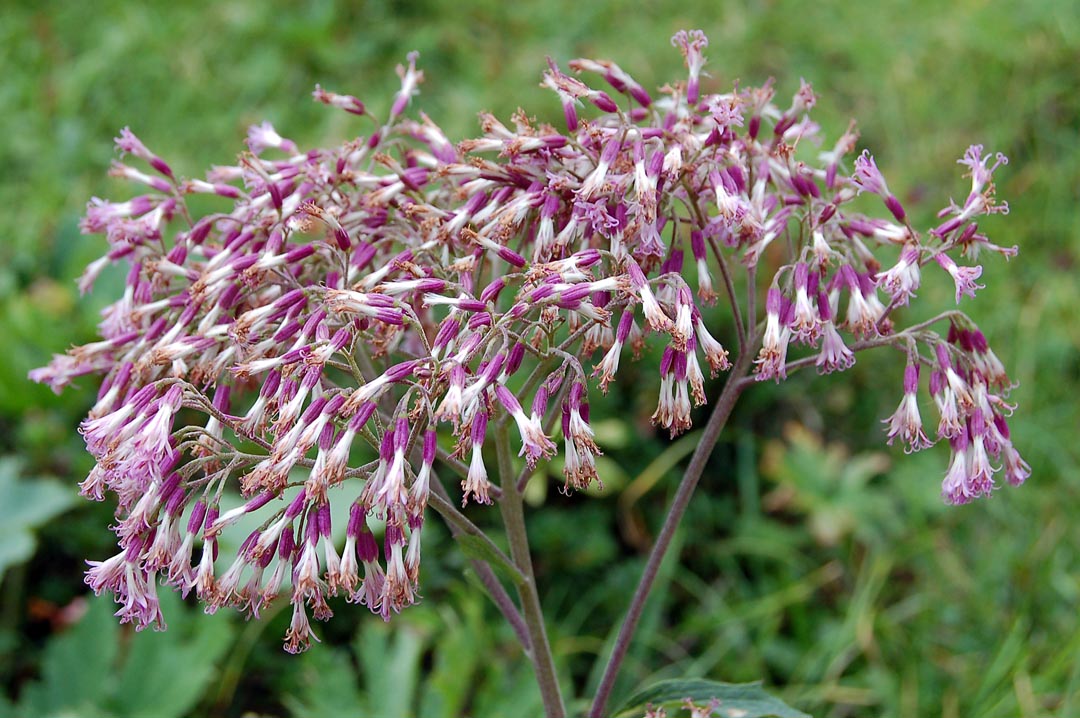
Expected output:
(491, 373)
(943, 356)
(507, 399)
(604, 102)
(286, 544)
(479, 428)
(258, 502)
(400, 371)
(356, 521)
(894, 206)
(666, 360)
(513, 362)
(362, 415)
(911, 379)
(511, 257)
(401, 432)
(540, 401)
(323, 519)
(367, 548)
(774, 301)
(491, 291)
(198, 513)
(431, 444)
(386, 447)
(297, 506)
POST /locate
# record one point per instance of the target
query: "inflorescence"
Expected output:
(374, 293)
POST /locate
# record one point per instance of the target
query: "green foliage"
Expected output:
(732, 700)
(26, 504)
(98, 668)
(831, 489)
(437, 663)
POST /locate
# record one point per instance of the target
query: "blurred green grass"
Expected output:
(912, 610)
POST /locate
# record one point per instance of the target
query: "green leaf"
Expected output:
(461, 643)
(166, 673)
(160, 675)
(477, 548)
(390, 665)
(24, 506)
(76, 673)
(736, 700)
(326, 685)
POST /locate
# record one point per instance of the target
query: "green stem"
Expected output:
(461, 523)
(709, 435)
(484, 571)
(513, 514)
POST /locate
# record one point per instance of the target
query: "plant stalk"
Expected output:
(513, 514)
(709, 436)
(483, 570)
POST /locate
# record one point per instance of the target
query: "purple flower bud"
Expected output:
(295, 508)
(494, 368)
(286, 544)
(507, 399)
(259, 501)
(479, 428)
(541, 293)
(386, 447)
(513, 362)
(362, 415)
(943, 357)
(323, 519)
(604, 102)
(198, 514)
(430, 446)
(540, 401)
(248, 543)
(911, 378)
(400, 371)
(894, 206)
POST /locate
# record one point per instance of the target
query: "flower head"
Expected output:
(344, 326)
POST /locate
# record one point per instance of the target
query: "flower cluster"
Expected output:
(371, 294)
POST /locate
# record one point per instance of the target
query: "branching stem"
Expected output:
(709, 435)
(513, 514)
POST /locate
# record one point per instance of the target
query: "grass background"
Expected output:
(812, 557)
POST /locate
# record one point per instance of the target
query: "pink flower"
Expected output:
(869, 178)
(476, 484)
(905, 421)
(534, 443)
(345, 102)
(691, 43)
(263, 136)
(903, 279)
(410, 79)
(963, 277)
(399, 285)
(835, 355)
(128, 143)
(771, 361)
(806, 322)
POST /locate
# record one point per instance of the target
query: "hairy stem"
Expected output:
(457, 520)
(495, 590)
(709, 436)
(513, 514)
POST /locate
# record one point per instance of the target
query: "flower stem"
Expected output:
(483, 570)
(462, 525)
(709, 436)
(513, 514)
